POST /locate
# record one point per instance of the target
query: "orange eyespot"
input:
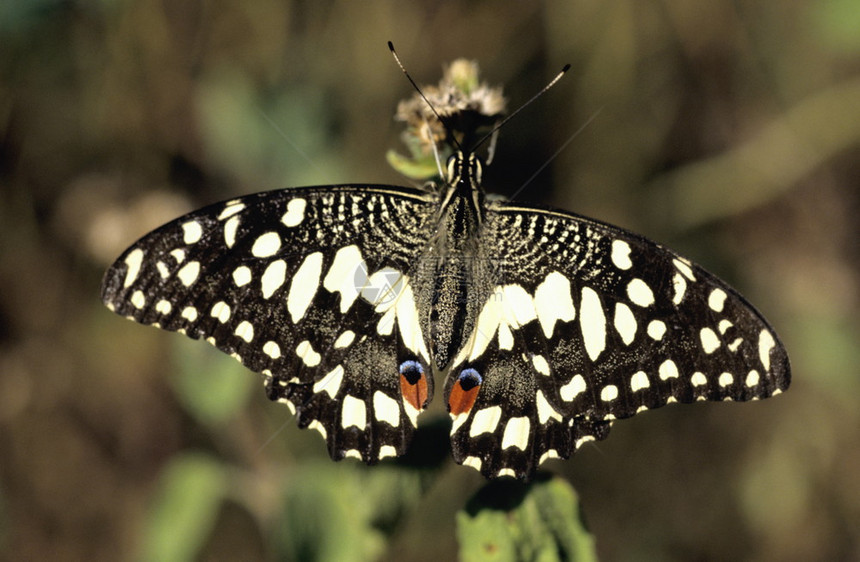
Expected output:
(464, 392)
(413, 384)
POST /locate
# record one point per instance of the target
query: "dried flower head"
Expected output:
(469, 108)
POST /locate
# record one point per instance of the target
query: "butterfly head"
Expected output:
(464, 170)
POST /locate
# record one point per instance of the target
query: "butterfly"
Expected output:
(352, 301)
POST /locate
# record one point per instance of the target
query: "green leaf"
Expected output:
(509, 520)
(416, 168)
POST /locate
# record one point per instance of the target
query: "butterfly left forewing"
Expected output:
(311, 288)
(589, 323)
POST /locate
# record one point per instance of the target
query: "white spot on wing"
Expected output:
(573, 388)
(295, 212)
(137, 299)
(549, 454)
(307, 353)
(639, 381)
(609, 393)
(163, 270)
(408, 321)
(241, 276)
(698, 379)
(331, 382)
(752, 379)
(668, 370)
(304, 286)
(710, 341)
(230, 228)
(191, 232)
(344, 340)
(553, 302)
(189, 272)
(509, 306)
(163, 307)
(245, 331)
(684, 268)
(178, 254)
(625, 323)
(189, 313)
(765, 344)
(354, 413)
(506, 337)
(518, 306)
(456, 421)
(133, 260)
(656, 329)
(346, 275)
(640, 293)
(485, 421)
(386, 409)
(273, 278)
(266, 245)
(290, 406)
(386, 451)
(382, 288)
(717, 299)
(593, 323)
(473, 462)
(516, 433)
(411, 413)
(272, 349)
(230, 210)
(484, 332)
(545, 410)
(679, 284)
(621, 254)
(221, 311)
(319, 427)
(726, 379)
(540, 364)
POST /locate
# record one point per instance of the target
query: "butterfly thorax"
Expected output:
(447, 276)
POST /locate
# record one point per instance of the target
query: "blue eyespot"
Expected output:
(469, 379)
(412, 371)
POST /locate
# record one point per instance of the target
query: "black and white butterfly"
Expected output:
(353, 300)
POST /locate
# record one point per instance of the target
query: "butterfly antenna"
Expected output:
(520, 108)
(420, 93)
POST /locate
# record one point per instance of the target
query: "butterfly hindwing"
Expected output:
(588, 323)
(309, 287)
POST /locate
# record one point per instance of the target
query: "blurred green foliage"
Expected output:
(211, 390)
(511, 521)
(728, 131)
(184, 507)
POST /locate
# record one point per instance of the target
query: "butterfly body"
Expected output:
(351, 301)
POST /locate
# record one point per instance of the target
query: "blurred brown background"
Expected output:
(729, 131)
